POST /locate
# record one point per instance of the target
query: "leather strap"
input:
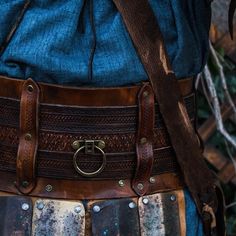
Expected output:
(144, 142)
(145, 33)
(232, 8)
(28, 140)
(90, 190)
(83, 96)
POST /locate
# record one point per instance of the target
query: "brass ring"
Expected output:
(89, 174)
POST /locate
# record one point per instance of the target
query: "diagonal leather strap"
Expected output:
(143, 28)
(232, 8)
(28, 140)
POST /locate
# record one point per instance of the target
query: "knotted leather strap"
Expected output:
(28, 141)
(144, 142)
(146, 36)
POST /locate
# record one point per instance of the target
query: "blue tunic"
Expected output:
(78, 43)
(55, 42)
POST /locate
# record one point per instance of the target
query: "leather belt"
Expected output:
(86, 115)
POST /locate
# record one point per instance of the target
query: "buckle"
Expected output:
(89, 147)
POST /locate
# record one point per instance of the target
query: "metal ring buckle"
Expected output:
(89, 147)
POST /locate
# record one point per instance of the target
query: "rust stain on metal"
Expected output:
(151, 215)
(160, 214)
(53, 217)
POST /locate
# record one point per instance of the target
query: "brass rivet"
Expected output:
(145, 93)
(101, 144)
(121, 183)
(140, 186)
(143, 140)
(152, 180)
(25, 184)
(76, 145)
(30, 88)
(28, 136)
(48, 188)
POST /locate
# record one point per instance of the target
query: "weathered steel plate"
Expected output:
(115, 218)
(57, 218)
(162, 214)
(15, 216)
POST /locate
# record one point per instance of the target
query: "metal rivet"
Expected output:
(132, 205)
(30, 88)
(25, 206)
(78, 209)
(76, 145)
(145, 201)
(143, 140)
(96, 208)
(173, 198)
(152, 180)
(48, 188)
(145, 93)
(140, 186)
(40, 205)
(28, 136)
(25, 184)
(101, 144)
(121, 183)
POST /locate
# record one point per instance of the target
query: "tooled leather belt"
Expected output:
(64, 136)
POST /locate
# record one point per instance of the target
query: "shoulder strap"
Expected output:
(145, 33)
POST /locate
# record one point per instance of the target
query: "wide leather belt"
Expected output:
(81, 134)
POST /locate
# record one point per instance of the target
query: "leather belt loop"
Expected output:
(28, 138)
(144, 142)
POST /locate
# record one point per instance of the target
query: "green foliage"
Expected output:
(217, 140)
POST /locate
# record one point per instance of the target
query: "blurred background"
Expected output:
(216, 100)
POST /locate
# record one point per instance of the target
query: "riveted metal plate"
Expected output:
(162, 214)
(115, 217)
(15, 216)
(56, 218)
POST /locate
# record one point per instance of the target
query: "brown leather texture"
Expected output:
(90, 189)
(145, 33)
(83, 96)
(144, 140)
(60, 126)
(29, 125)
(28, 137)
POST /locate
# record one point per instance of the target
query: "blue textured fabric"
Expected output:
(193, 222)
(54, 42)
